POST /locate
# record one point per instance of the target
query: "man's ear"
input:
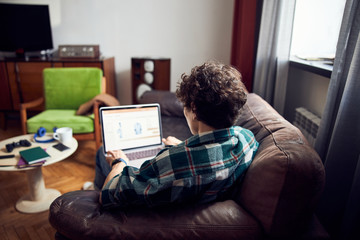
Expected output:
(194, 116)
(193, 110)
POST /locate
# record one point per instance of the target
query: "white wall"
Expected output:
(187, 31)
(305, 89)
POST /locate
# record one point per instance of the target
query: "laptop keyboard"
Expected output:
(143, 154)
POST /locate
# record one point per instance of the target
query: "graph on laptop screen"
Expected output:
(131, 128)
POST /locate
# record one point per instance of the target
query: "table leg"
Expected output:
(39, 198)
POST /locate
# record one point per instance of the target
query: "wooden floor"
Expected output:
(67, 175)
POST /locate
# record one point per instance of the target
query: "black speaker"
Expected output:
(148, 74)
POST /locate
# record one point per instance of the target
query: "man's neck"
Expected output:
(205, 128)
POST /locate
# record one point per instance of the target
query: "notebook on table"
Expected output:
(34, 155)
(135, 129)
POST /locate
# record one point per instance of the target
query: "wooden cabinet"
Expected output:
(21, 80)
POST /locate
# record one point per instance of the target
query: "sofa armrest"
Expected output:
(78, 215)
(285, 180)
(169, 104)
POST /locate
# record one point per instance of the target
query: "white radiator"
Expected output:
(308, 123)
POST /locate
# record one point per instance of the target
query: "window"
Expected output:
(316, 28)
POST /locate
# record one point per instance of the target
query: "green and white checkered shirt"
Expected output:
(201, 169)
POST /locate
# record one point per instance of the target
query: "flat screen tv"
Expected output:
(25, 28)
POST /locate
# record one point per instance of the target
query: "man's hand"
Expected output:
(171, 141)
(115, 154)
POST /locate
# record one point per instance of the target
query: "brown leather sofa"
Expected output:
(275, 200)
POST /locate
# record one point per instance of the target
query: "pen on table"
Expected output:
(7, 156)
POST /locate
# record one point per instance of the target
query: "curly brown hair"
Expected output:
(214, 92)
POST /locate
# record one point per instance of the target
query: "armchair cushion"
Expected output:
(70, 87)
(49, 119)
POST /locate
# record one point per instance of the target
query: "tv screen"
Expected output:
(25, 28)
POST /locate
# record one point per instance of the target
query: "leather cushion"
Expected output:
(169, 104)
(176, 127)
(219, 220)
(286, 177)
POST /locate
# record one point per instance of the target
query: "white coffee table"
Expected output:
(39, 198)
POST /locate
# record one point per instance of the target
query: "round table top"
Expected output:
(55, 155)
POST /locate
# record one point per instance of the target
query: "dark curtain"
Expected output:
(338, 140)
(244, 38)
(273, 51)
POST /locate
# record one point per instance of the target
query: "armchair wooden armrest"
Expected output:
(97, 124)
(103, 85)
(23, 113)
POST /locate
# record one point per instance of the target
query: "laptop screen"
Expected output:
(132, 126)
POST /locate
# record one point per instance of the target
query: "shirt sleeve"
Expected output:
(130, 187)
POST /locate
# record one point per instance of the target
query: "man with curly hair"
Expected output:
(203, 167)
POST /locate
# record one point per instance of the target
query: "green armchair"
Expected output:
(65, 90)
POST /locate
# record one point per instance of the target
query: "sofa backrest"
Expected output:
(282, 185)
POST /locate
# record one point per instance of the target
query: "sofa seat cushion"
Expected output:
(49, 119)
(218, 220)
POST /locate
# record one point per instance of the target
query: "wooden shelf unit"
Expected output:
(161, 73)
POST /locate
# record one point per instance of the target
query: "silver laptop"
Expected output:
(135, 129)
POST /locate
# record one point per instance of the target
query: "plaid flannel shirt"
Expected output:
(201, 169)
